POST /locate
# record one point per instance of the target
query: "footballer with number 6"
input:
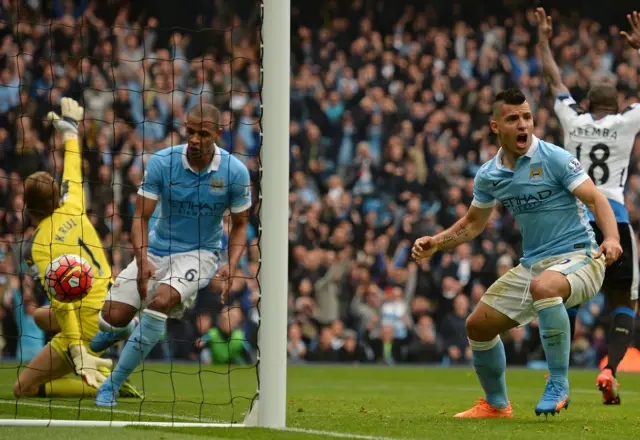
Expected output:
(546, 190)
(602, 139)
(65, 233)
(195, 184)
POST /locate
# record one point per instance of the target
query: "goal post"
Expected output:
(272, 335)
(268, 408)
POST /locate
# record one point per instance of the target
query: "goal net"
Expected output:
(137, 71)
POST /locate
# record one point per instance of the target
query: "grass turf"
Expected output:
(375, 401)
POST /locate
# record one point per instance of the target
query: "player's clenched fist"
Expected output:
(545, 28)
(424, 247)
(611, 249)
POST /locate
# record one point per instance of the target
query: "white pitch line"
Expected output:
(335, 434)
(176, 417)
(108, 411)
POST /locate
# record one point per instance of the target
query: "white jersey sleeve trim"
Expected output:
(148, 194)
(483, 205)
(576, 183)
(242, 208)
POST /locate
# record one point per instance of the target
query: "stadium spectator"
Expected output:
(389, 124)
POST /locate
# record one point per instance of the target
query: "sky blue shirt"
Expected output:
(193, 204)
(538, 193)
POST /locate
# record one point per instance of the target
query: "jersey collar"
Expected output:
(213, 166)
(535, 142)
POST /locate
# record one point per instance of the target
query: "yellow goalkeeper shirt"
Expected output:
(69, 231)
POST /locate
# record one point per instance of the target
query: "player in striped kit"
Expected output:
(602, 139)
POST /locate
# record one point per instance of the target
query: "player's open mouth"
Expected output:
(521, 140)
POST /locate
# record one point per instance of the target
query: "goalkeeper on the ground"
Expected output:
(64, 228)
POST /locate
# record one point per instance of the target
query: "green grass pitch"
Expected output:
(365, 402)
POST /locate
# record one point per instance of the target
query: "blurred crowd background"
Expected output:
(390, 109)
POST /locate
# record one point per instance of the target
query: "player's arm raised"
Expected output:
(605, 218)
(465, 229)
(550, 69)
(146, 202)
(72, 196)
(633, 38)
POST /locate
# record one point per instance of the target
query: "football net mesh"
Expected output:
(136, 77)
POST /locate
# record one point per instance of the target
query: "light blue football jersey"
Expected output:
(193, 204)
(538, 193)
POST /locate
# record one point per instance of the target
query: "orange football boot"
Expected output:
(483, 410)
(608, 384)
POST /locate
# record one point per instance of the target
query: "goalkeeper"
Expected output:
(64, 228)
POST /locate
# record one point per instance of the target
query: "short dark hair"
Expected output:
(205, 110)
(512, 96)
(603, 95)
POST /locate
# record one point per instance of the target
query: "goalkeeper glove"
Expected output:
(72, 113)
(86, 365)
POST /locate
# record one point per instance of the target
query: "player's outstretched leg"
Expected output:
(548, 291)
(489, 361)
(145, 336)
(620, 336)
(136, 349)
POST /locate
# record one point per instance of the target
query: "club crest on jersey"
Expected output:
(574, 166)
(535, 174)
(217, 185)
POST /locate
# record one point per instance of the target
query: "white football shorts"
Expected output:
(510, 294)
(186, 272)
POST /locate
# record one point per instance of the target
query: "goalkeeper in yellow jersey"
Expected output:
(64, 228)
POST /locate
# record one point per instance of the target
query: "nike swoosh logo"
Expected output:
(497, 183)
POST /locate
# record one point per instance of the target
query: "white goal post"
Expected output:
(269, 409)
(272, 337)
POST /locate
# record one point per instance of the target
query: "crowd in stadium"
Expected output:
(389, 124)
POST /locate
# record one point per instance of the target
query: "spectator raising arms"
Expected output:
(389, 111)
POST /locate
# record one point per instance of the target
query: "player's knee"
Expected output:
(479, 329)
(114, 314)
(549, 286)
(21, 390)
(165, 299)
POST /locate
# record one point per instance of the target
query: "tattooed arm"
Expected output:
(465, 229)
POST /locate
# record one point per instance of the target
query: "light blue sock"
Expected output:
(490, 363)
(555, 333)
(142, 340)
